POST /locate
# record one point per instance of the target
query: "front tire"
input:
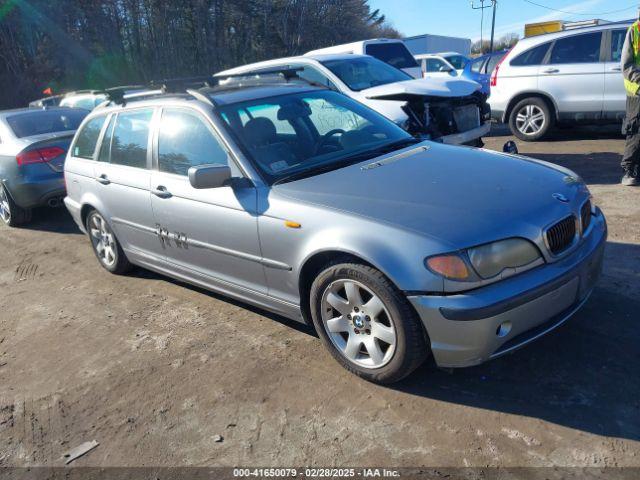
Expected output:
(366, 323)
(105, 244)
(10, 213)
(531, 119)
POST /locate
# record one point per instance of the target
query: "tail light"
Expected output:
(41, 155)
(494, 74)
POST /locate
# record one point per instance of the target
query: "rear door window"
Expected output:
(87, 138)
(577, 49)
(395, 54)
(130, 138)
(185, 141)
(617, 42)
(532, 57)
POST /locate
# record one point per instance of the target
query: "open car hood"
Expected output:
(423, 87)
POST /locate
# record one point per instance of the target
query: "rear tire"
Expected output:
(10, 213)
(375, 334)
(105, 245)
(531, 119)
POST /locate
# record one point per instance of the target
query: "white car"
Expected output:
(452, 111)
(442, 64)
(391, 51)
(571, 77)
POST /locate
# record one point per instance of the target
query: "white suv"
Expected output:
(572, 76)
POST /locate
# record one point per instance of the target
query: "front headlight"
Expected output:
(485, 261)
(492, 259)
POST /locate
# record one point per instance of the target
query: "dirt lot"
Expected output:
(154, 369)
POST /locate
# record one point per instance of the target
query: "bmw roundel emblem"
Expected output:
(560, 197)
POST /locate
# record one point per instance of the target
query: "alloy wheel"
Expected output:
(103, 240)
(358, 323)
(530, 120)
(5, 208)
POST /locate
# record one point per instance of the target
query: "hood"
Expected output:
(427, 87)
(460, 196)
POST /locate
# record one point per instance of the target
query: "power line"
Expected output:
(576, 13)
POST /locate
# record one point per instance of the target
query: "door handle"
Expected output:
(103, 179)
(551, 70)
(161, 192)
(616, 69)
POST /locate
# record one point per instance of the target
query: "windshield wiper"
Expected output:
(313, 171)
(386, 148)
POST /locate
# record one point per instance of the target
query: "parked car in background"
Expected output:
(573, 76)
(52, 101)
(434, 66)
(87, 99)
(451, 111)
(454, 59)
(479, 69)
(307, 203)
(33, 146)
(391, 51)
(458, 60)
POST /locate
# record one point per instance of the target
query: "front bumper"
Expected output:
(468, 136)
(470, 328)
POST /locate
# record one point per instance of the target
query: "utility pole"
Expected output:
(482, 6)
(493, 25)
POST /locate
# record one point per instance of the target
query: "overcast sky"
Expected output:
(457, 18)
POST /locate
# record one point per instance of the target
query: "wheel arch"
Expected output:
(317, 262)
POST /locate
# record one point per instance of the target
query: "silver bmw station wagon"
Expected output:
(301, 201)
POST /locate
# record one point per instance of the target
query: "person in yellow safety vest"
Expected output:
(631, 125)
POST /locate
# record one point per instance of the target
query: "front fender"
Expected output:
(397, 253)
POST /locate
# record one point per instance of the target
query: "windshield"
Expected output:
(458, 61)
(395, 54)
(45, 121)
(359, 73)
(303, 134)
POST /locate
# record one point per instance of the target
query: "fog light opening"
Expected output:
(503, 329)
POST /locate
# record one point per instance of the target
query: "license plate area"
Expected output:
(466, 117)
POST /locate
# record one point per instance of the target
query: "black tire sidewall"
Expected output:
(548, 113)
(18, 215)
(409, 352)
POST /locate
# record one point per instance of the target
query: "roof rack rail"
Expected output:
(287, 72)
(173, 85)
(254, 77)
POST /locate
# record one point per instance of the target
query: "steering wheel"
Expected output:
(324, 138)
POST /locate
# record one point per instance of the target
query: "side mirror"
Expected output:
(209, 176)
(446, 69)
(510, 147)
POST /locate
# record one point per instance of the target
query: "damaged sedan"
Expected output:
(452, 111)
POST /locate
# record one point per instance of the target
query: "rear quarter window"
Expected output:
(532, 57)
(87, 138)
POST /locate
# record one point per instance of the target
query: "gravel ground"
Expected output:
(155, 370)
